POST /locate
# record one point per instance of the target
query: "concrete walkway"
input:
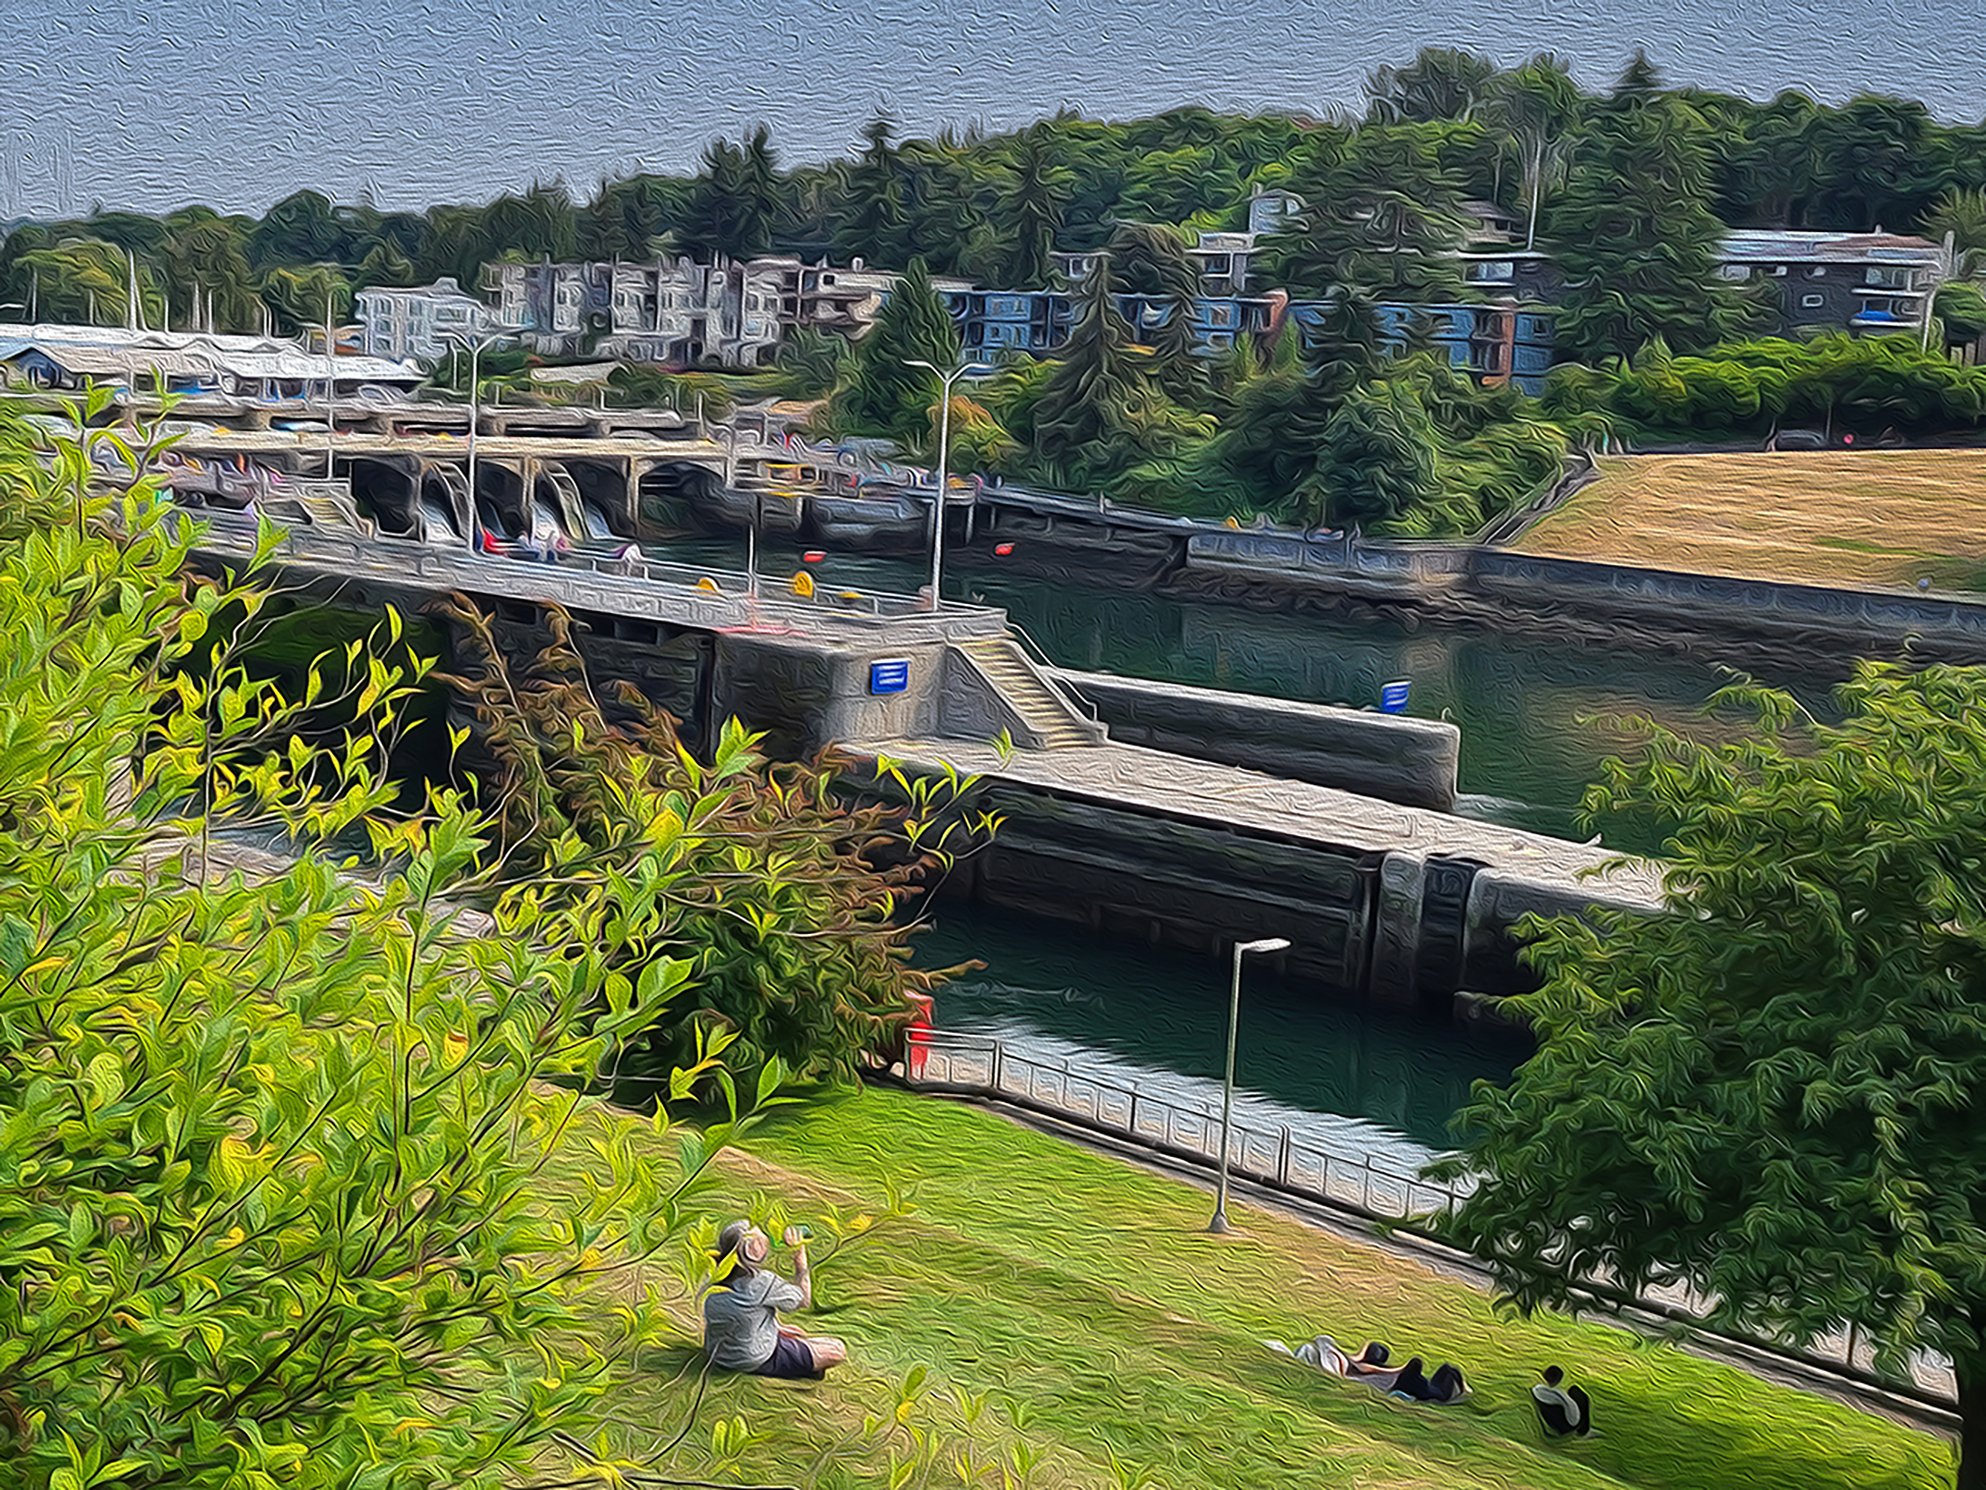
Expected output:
(1131, 776)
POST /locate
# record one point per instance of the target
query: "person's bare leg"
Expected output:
(825, 1349)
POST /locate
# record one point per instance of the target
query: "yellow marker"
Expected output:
(707, 583)
(1232, 523)
(803, 585)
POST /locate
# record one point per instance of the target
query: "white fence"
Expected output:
(981, 1066)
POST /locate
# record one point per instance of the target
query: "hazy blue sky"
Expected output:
(152, 103)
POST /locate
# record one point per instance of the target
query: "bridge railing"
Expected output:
(1278, 1158)
(695, 595)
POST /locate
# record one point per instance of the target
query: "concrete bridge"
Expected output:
(1411, 905)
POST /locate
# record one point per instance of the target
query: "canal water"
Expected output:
(1533, 715)
(1350, 1080)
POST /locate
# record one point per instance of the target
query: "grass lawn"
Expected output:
(1079, 1297)
(1881, 518)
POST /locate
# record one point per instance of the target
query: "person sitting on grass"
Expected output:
(1562, 1409)
(741, 1328)
(1370, 1366)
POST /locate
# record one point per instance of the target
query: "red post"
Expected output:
(917, 1037)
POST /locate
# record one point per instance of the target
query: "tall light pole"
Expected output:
(475, 344)
(1241, 949)
(945, 380)
(330, 390)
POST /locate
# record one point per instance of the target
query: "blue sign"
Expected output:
(1393, 698)
(889, 677)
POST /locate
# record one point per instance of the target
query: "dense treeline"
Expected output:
(1628, 189)
(1445, 128)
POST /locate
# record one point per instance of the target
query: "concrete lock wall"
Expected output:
(1410, 761)
(807, 695)
(1176, 883)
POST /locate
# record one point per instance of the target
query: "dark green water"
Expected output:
(1353, 1081)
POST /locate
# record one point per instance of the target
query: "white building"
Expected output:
(422, 324)
(260, 369)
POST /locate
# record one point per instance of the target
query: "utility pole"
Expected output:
(945, 381)
(1537, 184)
(1219, 1222)
(330, 390)
(475, 346)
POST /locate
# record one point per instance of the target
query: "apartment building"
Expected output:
(422, 323)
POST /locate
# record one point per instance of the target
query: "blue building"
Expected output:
(1496, 343)
(1039, 322)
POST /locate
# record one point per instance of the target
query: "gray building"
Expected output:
(1854, 282)
(422, 323)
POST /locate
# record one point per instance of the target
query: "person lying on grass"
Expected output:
(741, 1328)
(1370, 1366)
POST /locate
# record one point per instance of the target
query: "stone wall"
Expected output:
(1411, 761)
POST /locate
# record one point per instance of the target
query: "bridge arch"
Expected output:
(386, 490)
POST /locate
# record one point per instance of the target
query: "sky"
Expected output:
(149, 104)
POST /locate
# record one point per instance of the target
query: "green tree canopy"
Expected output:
(1440, 83)
(1771, 1093)
(276, 1141)
(1383, 215)
(1033, 213)
(884, 396)
(1635, 238)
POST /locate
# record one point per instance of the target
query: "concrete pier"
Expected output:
(1408, 904)
(1389, 756)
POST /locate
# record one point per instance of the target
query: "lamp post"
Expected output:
(945, 380)
(476, 346)
(1219, 1224)
(330, 391)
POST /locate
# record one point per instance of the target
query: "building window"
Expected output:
(1734, 271)
(1812, 302)
(1887, 277)
(1816, 271)
(1494, 272)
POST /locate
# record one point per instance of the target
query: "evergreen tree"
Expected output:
(884, 396)
(732, 203)
(1634, 236)
(1083, 420)
(758, 195)
(1376, 459)
(1383, 216)
(1035, 211)
(875, 216)
(1639, 83)
(1151, 261)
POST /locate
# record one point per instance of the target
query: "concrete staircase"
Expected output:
(1056, 722)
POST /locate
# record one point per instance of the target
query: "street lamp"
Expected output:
(476, 346)
(945, 379)
(1241, 949)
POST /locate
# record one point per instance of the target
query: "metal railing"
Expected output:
(984, 1066)
(655, 589)
(1045, 668)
